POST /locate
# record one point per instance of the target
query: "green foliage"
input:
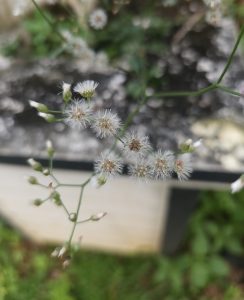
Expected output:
(215, 228)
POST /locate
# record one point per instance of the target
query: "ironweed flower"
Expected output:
(86, 88)
(162, 164)
(136, 144)
(183, 166)
(78, 114)
(108, 164)
(105, 123)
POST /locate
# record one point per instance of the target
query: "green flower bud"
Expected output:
(46, 172)
(37, 202)
(56, 198)
(50, 149)
(73, 217)
(35, 165)
(67, 94)
(48, 117)
(39, 106)
(32, 180)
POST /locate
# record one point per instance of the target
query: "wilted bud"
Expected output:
(37, 202)
(50, 149)
(56, 198)
(73, 217)
(32, 180)
(98, 216)
(35, 165)
(67, 94)
(39, 106)
(48, 117)
(46, 172)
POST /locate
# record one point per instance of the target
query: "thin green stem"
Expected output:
(230, 91)
(230, 58)
(84, 221)
(77, 213)
(69, 185)
(65, 208)
(49, 22)
(199, 92)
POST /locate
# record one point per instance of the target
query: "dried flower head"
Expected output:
(78, 114)
(105, 123)
(136, 144)
(86, 88)
(140, 169)
(162, 164)
(183, 166)
(108, 164)
(98, 19)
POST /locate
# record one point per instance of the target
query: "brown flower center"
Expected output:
(135, 145)
(108, 166)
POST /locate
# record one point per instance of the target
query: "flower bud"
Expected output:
(98, 181)
(32, 180)
(56, 198)
(189, 146)
(98, 216)
(73, 217)
(48, 117)
(46, 172)
(39, 106)
(50, 149)
(67, 94)
(35, 165)
(37, 202)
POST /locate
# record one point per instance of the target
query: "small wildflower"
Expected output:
(35, 165)
(109, 164)
(140, 169)
(48, 117)
(67, 94)
(86, 88)
(98, 181)
(183, 166)
(237, 185)
(98, 19)
(39, 106)
(105, 123)
(98, 216)
(78, 114)
(136, 145)
(162, 164)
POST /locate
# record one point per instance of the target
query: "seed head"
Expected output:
(141, 169)
(136, 145)
(105, 123)
(98, 19)
(78, 114)
(162, 164)
(108, 164)
(183, 166)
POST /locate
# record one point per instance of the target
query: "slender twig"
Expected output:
(229, 61)
(77, 213)
(230, 91)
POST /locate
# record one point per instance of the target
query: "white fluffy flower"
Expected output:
(162, 164)
(98, 19)
(78, 114)
(212, 3)
(108, 164)
(140, 169)
(105, 123)
(237, 185)
(183, 166)
(136, 144)
(86, 88)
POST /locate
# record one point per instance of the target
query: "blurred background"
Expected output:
(161, 240)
